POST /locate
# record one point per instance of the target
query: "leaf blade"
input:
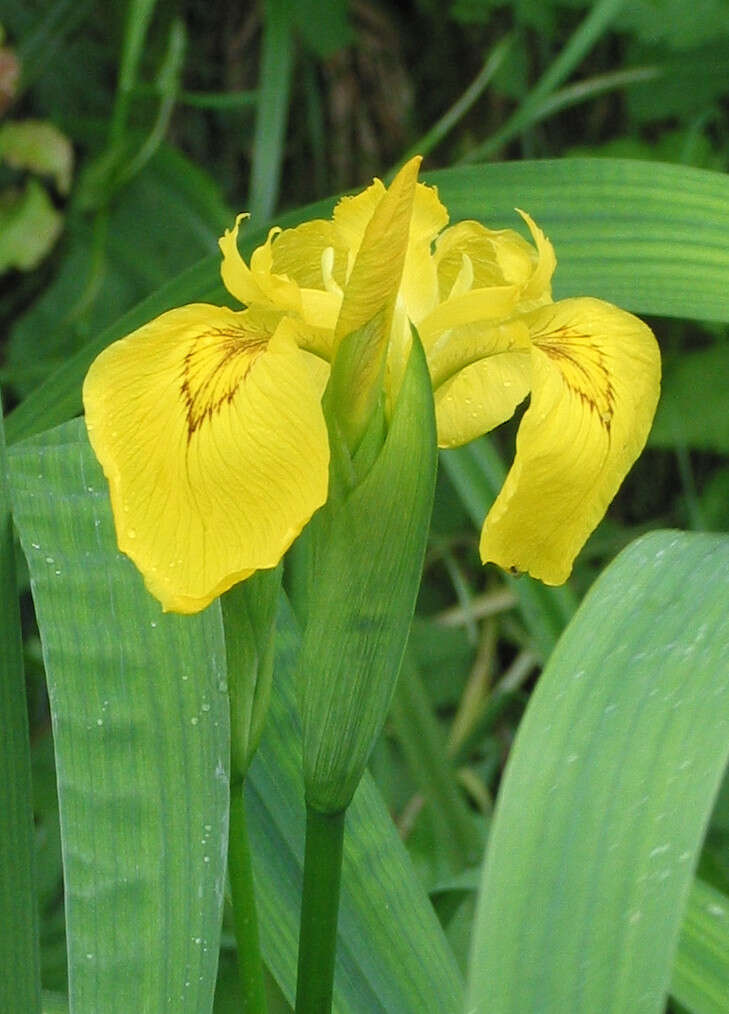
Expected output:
(19, 946)
(595, 858)
(141, 762)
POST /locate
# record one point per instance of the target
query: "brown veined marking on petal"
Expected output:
(584, 369)
(214, 367)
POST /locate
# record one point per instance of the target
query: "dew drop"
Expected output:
(194, 720)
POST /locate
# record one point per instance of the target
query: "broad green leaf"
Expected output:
(391, 953)
(647, 236)
(700, 979)
(147, 752)
(19, 954)
(141, 741)
(692, 411)
(609, 789)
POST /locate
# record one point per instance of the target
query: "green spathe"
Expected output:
(369, 554)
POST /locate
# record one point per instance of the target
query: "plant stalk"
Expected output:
(240, 872)
(319, 910)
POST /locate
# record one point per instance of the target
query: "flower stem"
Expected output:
(240, 872)
(319, 908)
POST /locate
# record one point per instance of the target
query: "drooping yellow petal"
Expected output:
(210, 431)
(595, 385)
(479, 374)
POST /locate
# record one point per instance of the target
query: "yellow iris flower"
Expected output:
(208, 421)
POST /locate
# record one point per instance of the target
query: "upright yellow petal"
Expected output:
(595, 385)
(375, 278)
(419, 285)
(351, 217)
(479, 374)
(257, 285)
(538, 290)
(210, 431)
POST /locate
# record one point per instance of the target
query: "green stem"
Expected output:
(240, 872)
(319, 909)
(139, 14)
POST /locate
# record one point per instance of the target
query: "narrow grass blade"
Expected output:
(272, 109)
(609, 790)
(579, 44)
(19, 955)
(141, 740)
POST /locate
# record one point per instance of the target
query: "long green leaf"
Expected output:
(19, 954)
(141, 741)
(609, 790)
(146, 754)
(391, 953)
(648, 236)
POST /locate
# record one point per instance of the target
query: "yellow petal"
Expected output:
(257, 285)
(595, 385)
(351, 217)
(481, 246)
(480, 374)
(419, 285)
(477, 305)
(538, 289)
(210, 432)
(297, 253)
(377, 271)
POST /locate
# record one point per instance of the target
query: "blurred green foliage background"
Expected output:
(130, 134)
